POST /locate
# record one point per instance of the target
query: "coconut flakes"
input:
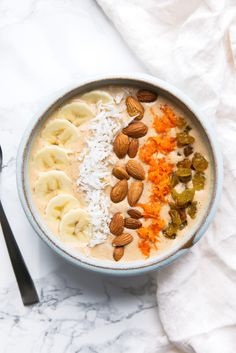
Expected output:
(94, 168)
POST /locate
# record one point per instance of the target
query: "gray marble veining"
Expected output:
(82, 312)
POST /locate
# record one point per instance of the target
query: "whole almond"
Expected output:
(135, 192)
(133, 148)
(121, 145)
(117, 224)
(136, 129)
(132, 212)
(132, 223)
(120, 173)
(118, 253)
(119, 191)
(134, 108)
(122, 239)
(146, 96)
(135, 169)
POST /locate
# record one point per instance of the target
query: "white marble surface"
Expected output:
(46, 45)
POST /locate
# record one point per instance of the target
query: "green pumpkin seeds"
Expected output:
(174, 180)
(199, 162)
(185, 163)
(175, 217)
(171, 231)
(184, 198)
(199, 181)
(188, 150)
(192, 210)
(183, 139)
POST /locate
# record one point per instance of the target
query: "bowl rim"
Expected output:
(122, 269)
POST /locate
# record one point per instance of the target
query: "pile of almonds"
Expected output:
(127, 143)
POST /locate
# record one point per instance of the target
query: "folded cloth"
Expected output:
(192, 44)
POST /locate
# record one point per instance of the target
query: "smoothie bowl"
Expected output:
(120, 175)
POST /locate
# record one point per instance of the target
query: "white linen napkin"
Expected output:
(192, 44)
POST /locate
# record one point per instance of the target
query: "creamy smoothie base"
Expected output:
(71, 174)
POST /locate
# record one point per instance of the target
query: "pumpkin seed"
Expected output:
(181, 123)
(192, 210)
(185, 163)
(199, 162)
(183, 139)
(174, 180)
(175, 217)
(182, 214)
(183, 225)
(184, 198)
(199, 181)
(171, 231)
(184, 174)
(188, 150)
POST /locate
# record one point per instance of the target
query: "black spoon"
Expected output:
(26, 285)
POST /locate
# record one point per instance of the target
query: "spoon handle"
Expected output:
(26, 286)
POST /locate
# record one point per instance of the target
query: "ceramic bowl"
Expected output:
(181, 247)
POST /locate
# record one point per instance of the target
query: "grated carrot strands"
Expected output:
(159, 174)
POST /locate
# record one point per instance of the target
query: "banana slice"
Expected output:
(60, 132)
(59, 205)
(51, 157)
(96, 96)
(76, 112)
(50, 184)
(76, 224)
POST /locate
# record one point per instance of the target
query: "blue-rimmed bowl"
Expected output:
(193, 235)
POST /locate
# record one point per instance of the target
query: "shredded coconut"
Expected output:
(94, 168)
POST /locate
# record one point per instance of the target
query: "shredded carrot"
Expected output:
(147, 150)
(145, 247)
(165, 144)
(162, 143)
(151, 210)
(150, 234)
(167, 121)
(159, 174)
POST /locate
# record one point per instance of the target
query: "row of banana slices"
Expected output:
(53, 184)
